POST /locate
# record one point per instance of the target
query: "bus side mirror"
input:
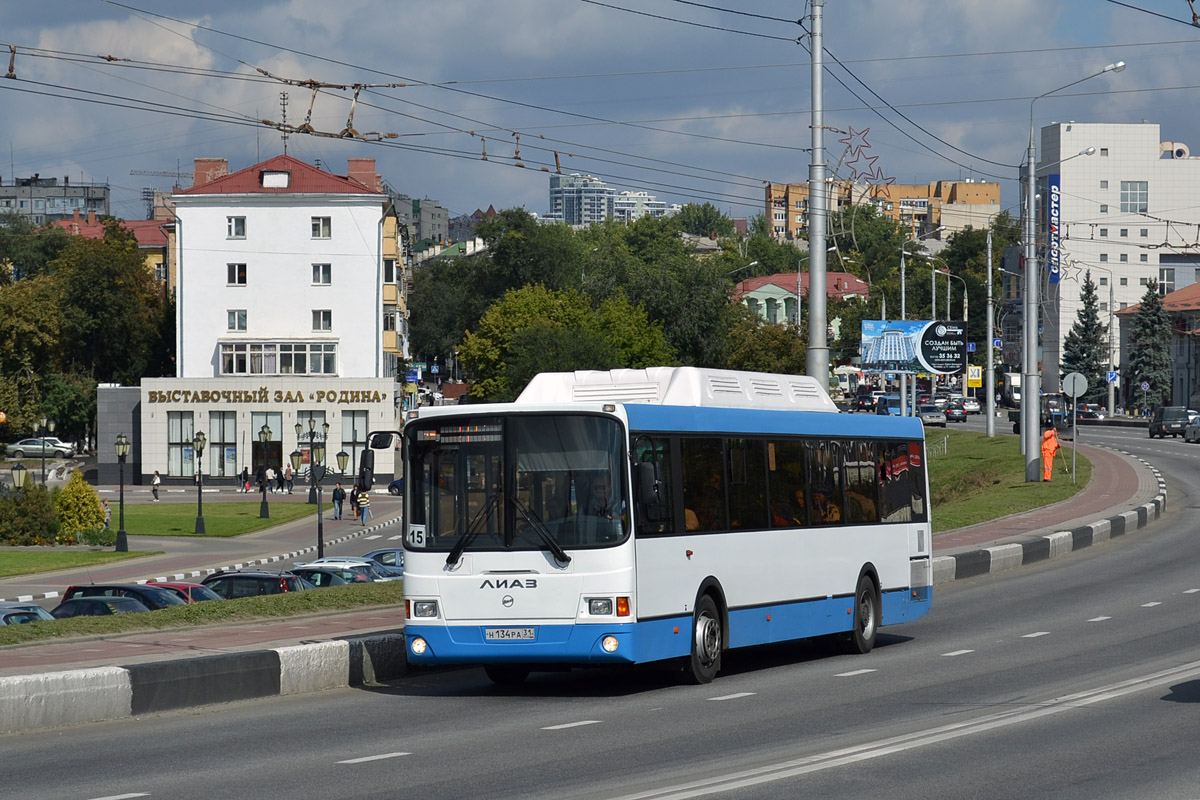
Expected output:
(654, 507)
(366, 470)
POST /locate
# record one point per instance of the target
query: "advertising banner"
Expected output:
(1054, 229)
(914, 346)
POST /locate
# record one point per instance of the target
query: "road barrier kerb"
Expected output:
(996, 558)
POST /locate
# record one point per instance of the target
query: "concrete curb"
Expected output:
(183, 576)
(998, 558)
(32, 702)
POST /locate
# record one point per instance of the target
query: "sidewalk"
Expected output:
(180, 668)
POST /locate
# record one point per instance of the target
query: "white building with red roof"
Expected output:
(773, 297)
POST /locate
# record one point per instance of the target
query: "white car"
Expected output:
(350, 562)
(970, 405)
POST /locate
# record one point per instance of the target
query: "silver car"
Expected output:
(931, 415)
(36, 448)
(970, 405)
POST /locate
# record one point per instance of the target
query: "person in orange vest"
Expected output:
(1049, 450)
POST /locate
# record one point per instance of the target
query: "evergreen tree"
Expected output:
(1084, 349)
(1150, 353)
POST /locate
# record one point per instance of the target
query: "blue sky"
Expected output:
(683, 100)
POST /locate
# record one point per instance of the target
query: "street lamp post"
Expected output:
(1032, 376)
(316, 470)
(312, 438)
(264, 436)
(198, 443)
(47, 428)
(904, 312)
(958, 278)
(122, 448)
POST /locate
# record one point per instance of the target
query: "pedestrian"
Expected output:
(354, 501)
(245, 479)
(107, 513)
(364, 503)
(1049, 450)
(271, 479)
(287, 477)
(155, 482)
(279, 481)
(339, 495)
(260, 475)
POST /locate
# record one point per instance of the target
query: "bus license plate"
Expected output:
(507, 634)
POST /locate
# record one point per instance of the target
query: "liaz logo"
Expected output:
(509, 583)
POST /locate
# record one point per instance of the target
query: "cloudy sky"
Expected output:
(689, 101)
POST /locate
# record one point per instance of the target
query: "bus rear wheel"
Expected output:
(705, 661)
(861, 638)
(506, 675)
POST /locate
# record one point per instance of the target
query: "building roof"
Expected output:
(838, 285)
(148, 232)
(1177, 302)
(303, 179)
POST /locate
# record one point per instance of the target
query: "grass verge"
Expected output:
(980, 479)
(214, 612)
(220, 519)
(28, 562)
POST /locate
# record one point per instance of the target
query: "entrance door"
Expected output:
(266, 454)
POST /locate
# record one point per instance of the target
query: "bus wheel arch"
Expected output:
(710, 634)
(866, 613)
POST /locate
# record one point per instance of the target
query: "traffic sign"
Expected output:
(1075, 384)
(435, 369)
(997, 342)
(1145, 386)
(412, 376)
(970, 347)
(974, 377)
(1111, 376)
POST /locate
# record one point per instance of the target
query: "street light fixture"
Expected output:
(47, 427)
(19, 475)
(198, 443)
(264, 436)
(122, 448)
(317, 473)
(1032, 377)
(312, 438)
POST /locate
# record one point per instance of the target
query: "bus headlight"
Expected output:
(609, 643)
(424, 608)
(600, 607)
(419, 646)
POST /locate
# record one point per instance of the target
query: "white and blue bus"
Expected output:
(636, 516)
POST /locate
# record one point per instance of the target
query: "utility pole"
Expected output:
(818, 347)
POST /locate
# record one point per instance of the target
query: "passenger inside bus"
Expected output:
(600, 503)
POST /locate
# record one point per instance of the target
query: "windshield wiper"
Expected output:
(473, 529)
(539, 528)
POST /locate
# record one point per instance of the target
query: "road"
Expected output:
(1079, 677)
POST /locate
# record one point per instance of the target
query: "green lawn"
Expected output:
(980, 479)
(28, 562)
(220, 519)
(217, 612)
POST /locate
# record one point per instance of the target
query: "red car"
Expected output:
(188, 592)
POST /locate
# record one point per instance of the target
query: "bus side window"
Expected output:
(747, 484)
(704, 483)
(861, 486)
(825, 480)
(786, 480)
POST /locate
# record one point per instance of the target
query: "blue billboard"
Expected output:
(914, 346)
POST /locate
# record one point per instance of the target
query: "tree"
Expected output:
(703, 220)
(1150, 352)
(760, 346)
(79, 510)
(27, 516)
(27, 251)
(1084, 348)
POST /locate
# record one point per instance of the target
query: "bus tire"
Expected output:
(705, 661)
(861, 637)
(506, 674)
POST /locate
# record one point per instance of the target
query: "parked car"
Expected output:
(389, 559)
(1166, 420)
(1191, 431)
(38, 447)
(253, 583)
(931, 415)
(396, 487)
(16, 613)
(971, 405)
(150, 596)
(359, 566)
(955, 413)
(322, 577)
(97, 606)
(188, 592)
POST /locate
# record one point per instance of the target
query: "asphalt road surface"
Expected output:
(1078, 677)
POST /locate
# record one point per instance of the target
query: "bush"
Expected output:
(79, 509)
(27, 517)
(99, 537)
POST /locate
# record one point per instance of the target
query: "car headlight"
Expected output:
(425, 608)
(600, 607)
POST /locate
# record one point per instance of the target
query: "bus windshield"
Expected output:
(515, 481)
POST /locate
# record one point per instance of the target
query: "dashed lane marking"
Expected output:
(957, 653)
(564, 726)
(1035, 634)
(853, 673)
(365, 759)
(733, 696)
(1098, 619)
(1151, 605)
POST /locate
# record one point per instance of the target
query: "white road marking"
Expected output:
(571, 725)
(852, 674)
(369, 538)
(1191, 591)
(734, 696)
(1151, 605)
(1098, 619)
(122, 796)
(365, 759)
(394, 538)
(1035, 635)
(801, 765)
(957, 653)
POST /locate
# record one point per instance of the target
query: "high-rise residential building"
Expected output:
(41, 200)
(580, 199)
(918, 208)
(1127, 213)
(632, 206)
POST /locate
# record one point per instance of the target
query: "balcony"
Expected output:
(391, 342)
(391, 294)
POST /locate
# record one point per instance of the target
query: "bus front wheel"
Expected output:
(861, 637)
(506, 675)
(705, 661)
